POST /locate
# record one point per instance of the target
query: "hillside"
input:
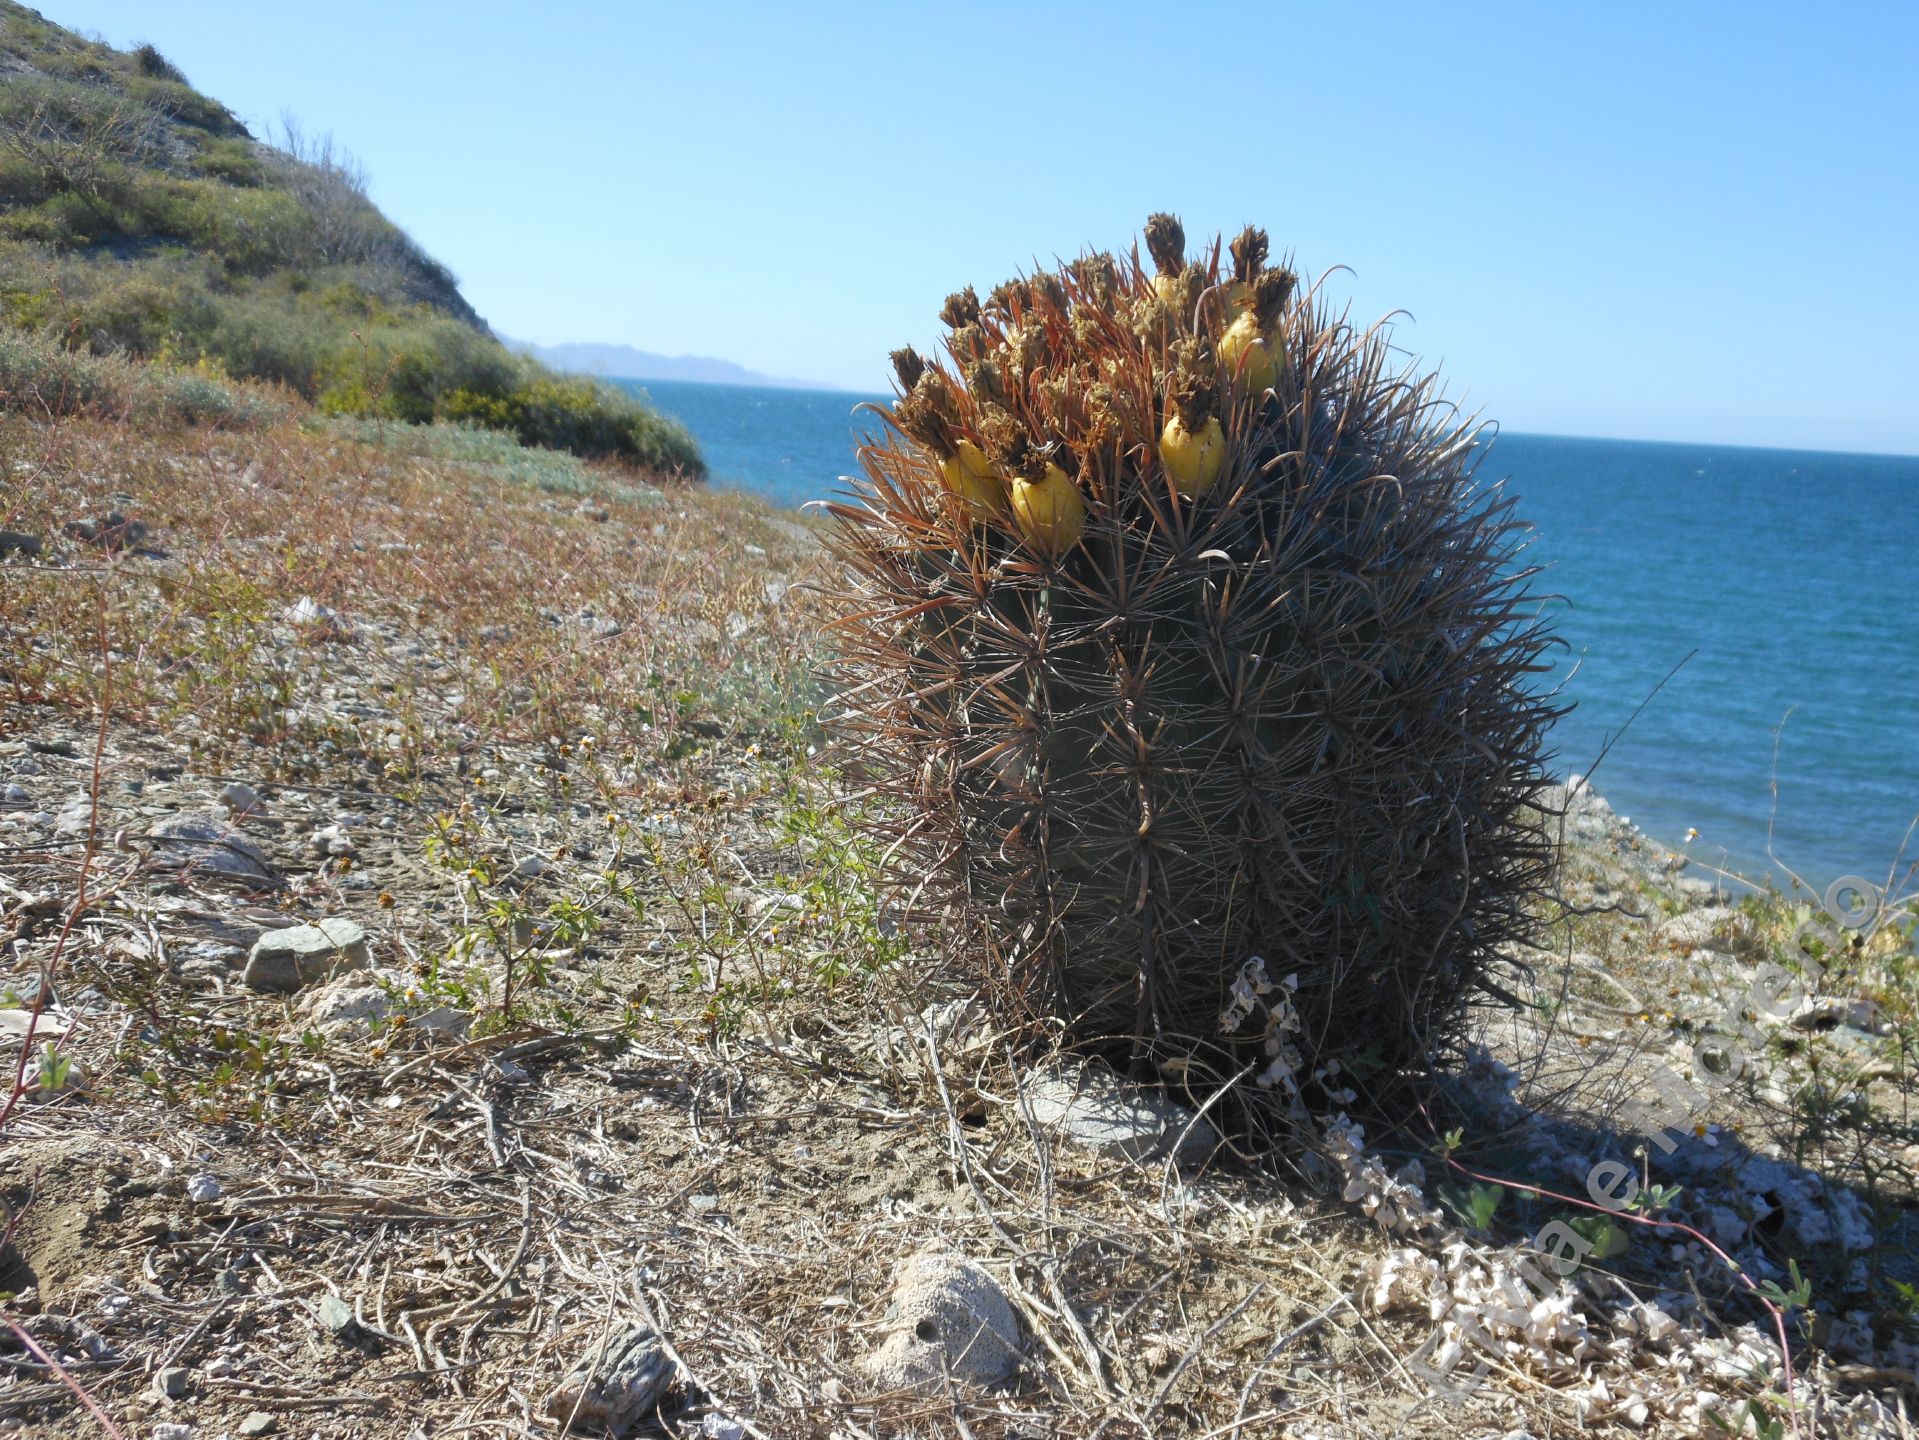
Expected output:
(139, 218)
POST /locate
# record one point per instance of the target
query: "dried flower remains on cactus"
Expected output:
(1182, 631)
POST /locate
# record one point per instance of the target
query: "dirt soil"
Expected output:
(636, 1042)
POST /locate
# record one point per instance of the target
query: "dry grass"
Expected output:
(705, 1082)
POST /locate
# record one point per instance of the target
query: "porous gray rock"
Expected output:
(290, 959)
(1095, 1109)
(353, 1001)
(616, 1384)
(947, 1318)
(204, 841)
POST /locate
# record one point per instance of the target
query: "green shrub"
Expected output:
(584, 417)
(405, 368)
(68, 221)
(38, 377)
(229, 158)
(252, 231)
(22, 180)
(150, 62)
(181, 102)
(140, 316)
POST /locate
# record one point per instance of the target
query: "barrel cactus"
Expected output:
(1196, 660)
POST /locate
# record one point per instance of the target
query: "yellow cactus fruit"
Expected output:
(1049, 510)
(1192, 461)
(1254, 359)
(971, 476)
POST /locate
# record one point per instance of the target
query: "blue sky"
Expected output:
(1667, 221)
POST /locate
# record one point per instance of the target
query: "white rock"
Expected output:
(309, 614)
(331, 840)
(1093, 1108)
(1817, 1212)
(947, 1316)
(1726, 1227)
(443, 1020)
(352, 1000)
(204, 1189)
(241, 799)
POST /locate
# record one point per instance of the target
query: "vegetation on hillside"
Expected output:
(140, 219)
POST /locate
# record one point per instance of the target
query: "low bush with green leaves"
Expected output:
(45, 380)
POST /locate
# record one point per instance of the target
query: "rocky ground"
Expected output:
(448, 995)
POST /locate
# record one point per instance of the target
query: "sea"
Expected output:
(1740, 626)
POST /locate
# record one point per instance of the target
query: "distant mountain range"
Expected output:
(625, 363)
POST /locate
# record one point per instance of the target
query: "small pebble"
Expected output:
(337, 1315)
(240, 799)
(172, 1381)
(204, 1189)
(258, 1422)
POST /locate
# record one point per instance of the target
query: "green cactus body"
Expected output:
(1286, 718)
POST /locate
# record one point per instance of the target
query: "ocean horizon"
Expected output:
(1741, 624)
